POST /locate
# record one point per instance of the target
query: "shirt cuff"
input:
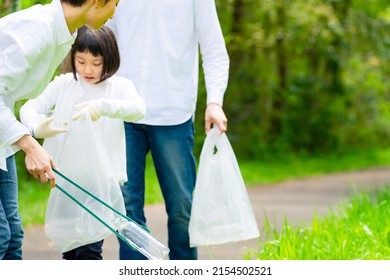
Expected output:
(13, 134)
(215, 97)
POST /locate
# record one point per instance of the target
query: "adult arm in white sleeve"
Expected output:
(215, 62)
(18, 55)
(38, 162)
(215, 59)
(11, 129)
(13, 69)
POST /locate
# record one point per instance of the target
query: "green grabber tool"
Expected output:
(136, 236)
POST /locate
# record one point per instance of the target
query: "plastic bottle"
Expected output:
(141, 240)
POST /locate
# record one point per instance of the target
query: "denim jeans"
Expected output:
(11, 231)
(172, 152)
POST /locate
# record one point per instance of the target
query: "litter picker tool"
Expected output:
(133, 234)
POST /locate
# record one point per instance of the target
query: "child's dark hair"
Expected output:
(79, 3)
(98, 42)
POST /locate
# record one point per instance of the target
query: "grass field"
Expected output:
(358, 230)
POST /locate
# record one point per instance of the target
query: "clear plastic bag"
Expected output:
(84, 160)
(221, 210)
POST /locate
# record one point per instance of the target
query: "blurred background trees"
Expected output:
(306, 76)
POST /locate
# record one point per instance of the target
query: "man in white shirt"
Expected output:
(158, 42)
(33, 42)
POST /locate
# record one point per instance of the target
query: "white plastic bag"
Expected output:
(83, 159)
(221, 210)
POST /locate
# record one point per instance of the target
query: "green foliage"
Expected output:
(359, 229)
(306, 76)
(28, 3)
(286, 167)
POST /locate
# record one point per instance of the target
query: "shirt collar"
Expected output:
(63, 32)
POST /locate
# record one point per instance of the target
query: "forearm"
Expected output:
(27, 144)
(127, 110)
(11, 129)
(38, 161)
(33, 111)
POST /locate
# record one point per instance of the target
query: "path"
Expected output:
(298, 200)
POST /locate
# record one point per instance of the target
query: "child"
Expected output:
(92, 88)
(33, 42)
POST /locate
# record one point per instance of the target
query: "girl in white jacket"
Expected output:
(91, 89)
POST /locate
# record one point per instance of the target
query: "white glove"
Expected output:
(45, 130)
(90, 107)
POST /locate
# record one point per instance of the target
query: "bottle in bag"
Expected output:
(141, 240)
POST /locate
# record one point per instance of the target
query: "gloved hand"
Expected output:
(90, 107)
(45, 130)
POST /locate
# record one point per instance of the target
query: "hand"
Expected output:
(215, 115)
(45, 130)
(90, 107)
(38, 162)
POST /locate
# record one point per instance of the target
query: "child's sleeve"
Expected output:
(34, 110)
(127, 105)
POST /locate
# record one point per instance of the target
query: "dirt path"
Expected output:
(297, 200)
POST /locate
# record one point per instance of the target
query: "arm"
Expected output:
(18, 55)
(13, 70)
(38, 162)
(215, 62)
(33, 111)
(11, 129)
(127, 104)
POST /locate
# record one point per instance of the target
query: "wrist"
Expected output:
(211, 104)
(100, 107)
(26, 143)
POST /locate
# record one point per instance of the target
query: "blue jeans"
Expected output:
(11, 230)
(172, 152)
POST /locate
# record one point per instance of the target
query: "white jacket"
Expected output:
(120, 102)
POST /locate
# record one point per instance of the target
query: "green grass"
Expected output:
(358, 230)
(33, 195)
(288, 167)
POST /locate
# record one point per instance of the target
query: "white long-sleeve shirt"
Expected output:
(33, 42)
(121, 102)
(158, 42)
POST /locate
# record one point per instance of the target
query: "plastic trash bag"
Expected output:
(80, 156)
(221, 210)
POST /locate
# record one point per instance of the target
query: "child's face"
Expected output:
(89, 67)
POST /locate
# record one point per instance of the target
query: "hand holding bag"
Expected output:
(221, 210)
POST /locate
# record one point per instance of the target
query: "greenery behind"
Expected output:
(306, 76)
(308, 79)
